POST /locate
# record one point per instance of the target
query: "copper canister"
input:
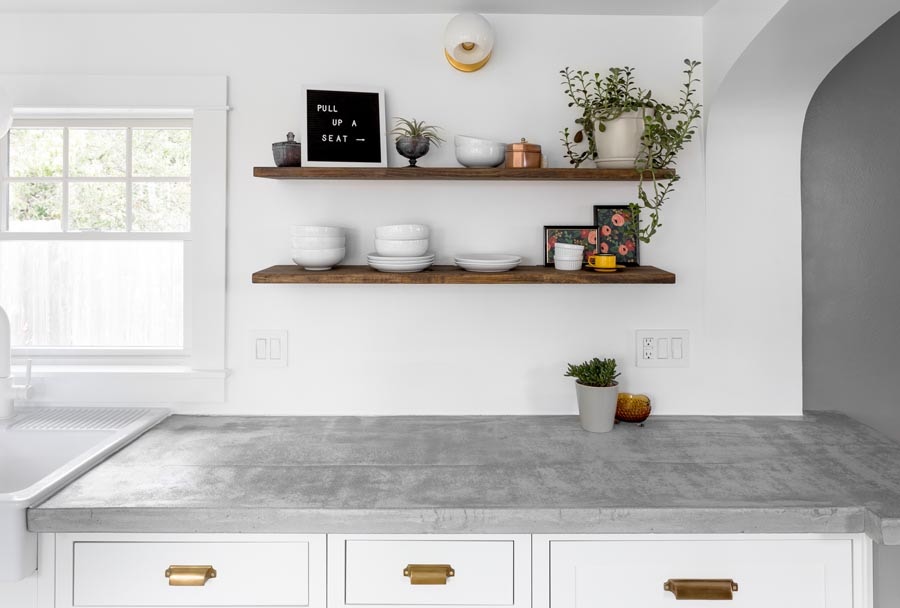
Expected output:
(523, 155)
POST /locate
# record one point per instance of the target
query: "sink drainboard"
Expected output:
(75, 418)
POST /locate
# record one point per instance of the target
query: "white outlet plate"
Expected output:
(268, 348)
(662, 348)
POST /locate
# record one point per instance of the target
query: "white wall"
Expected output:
(416, 349)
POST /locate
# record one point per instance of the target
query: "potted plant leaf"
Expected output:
(414, 138)
(597, 391)
(622, 125)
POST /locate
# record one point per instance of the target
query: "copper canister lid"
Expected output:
(523, 146)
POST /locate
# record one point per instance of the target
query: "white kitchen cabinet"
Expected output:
(767, 571)
(429, 570)
(514, 571)
(228, 570)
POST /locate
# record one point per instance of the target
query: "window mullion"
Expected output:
(129, 209)
(4, 184)
(65, 181)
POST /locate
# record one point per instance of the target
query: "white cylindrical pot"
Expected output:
(597, 406)
(620, 143)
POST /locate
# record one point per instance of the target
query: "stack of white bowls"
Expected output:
(567, 256)
(318, 247)
(401, 248)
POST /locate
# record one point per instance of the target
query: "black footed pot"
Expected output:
(413, 148)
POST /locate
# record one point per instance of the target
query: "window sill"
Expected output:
(104, 384)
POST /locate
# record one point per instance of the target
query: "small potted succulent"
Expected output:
(597, 392)
(414, 138)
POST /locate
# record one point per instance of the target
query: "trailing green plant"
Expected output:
(416, 128)
(596, 372)
(667, 129)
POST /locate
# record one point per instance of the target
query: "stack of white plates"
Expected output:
(413, 263)
(487, 262)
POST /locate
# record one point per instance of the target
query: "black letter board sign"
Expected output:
(343, 128)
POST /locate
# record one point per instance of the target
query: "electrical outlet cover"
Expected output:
(647, 347)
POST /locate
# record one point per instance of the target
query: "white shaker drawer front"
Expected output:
(677, 573)
(445, 571)
(175, 574)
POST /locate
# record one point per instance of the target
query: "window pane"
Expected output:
(97, 206)
(97, 152)
(94, 293)
(161, 152)
(35, 207)
(161, 207)
(35, 152)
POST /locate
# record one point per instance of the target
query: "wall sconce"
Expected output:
(468, 42)
(6, 111)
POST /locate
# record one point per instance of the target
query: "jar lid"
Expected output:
(523, 146)
(290, 141)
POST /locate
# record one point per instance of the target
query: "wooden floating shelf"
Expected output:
(454, 275)
(456, 173)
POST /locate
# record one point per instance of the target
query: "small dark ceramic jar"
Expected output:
(413, 148)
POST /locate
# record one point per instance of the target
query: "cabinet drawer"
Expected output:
(486, 570)
(247, 573)
(769, 573)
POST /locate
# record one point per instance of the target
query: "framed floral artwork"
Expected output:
(576, 235)
(615, 233)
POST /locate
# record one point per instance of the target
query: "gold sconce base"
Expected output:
(463, 67)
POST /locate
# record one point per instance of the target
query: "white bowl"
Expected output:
(395, 247)
(569, 247)
(568, 264)
(567, 256)
(318, 242)
(318, 259)
(317, 231)
(402, 232)
(476, 152)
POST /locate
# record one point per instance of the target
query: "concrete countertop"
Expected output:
(530, 474)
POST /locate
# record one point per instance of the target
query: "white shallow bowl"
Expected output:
(397, 247)
(568, 264)
(317, 231)
(395, 259)
(403, 267)
(318, 259)
(487, 262)
(402, 232)
(568, 247)
(477, 152)
(318, 242)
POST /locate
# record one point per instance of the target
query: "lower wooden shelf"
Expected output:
(455, 275)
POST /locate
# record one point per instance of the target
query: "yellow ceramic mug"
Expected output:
(602, 261)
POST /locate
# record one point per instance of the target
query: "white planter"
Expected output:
(619, 145)
(597, 406)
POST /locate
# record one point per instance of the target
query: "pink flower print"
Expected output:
(592, 237)
(629, 244)
(623, 250)
(606, 230)
(604, 248)
(618, 219)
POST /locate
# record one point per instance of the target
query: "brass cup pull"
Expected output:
(428, 574)
(189, 576)
(701, 588)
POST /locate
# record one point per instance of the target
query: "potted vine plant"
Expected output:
(597, 392)
(622, 125)
(414, 138)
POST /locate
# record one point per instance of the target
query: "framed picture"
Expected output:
(343, 127)
(577, 235)
(614, 223)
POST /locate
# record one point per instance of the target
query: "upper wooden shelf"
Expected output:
(455, 275)
(455, 173)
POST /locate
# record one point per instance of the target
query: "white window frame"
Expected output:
(196, 374)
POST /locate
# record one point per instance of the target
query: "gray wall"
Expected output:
(851, 249)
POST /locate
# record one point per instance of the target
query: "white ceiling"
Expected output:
(549, 7)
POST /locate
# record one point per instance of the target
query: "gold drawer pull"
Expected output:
(701, 588)
(428, 574)
(189, 576)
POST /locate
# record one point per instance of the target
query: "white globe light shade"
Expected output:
(468, 42)
(5, 112)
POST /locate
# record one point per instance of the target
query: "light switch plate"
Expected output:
(662, 347)
(268, 348)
